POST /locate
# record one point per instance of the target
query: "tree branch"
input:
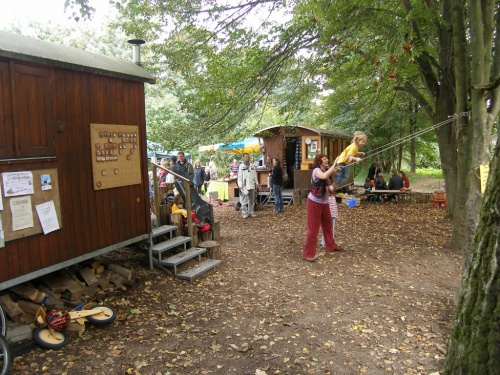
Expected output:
(410, 89)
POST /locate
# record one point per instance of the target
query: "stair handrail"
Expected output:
(186, 189)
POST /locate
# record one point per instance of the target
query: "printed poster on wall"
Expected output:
(484, 170)
(48, 216)
(17, 183)
(22, 213)
(2, 238)
(46, 182)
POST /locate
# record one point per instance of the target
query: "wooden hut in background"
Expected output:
(72, 156)
(296, 147)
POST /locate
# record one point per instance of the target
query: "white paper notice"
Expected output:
(48, 216)
(18, 183)
(1, 202)
(2, 238)
(22, 214)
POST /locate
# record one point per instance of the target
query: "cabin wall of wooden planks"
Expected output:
(91, 220)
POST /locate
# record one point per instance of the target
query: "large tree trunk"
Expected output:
(482, 31)
(413, 142)
(474, 345)
(463, 133)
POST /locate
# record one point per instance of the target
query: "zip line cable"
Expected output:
(406, 138)
(402, 140)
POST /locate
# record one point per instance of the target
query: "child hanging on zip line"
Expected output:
(349, 155)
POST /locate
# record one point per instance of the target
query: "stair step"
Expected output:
(177, 259)
(201, 268)
(164, 229)
(169, 244)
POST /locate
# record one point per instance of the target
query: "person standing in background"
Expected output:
(161, 173)
(206, 178)
(173, 165)
(233, 168)
(199, 176)
(248, 184)
(185, 167)
(213, 171)
(373, 171)
(277, 184)
(334, 211)
(170, 178)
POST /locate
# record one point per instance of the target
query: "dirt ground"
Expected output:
(382, 306)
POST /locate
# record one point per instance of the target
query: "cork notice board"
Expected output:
(41, 195)
(116, 156)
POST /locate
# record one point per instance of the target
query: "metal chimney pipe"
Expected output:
(136, 58)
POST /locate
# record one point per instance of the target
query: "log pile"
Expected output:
(64, 289)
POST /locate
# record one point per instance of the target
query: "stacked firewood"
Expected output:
(64, 289)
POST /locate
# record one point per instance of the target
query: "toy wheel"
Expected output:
(5, 357)
(108, 315)
(3, 323)
(50, 339)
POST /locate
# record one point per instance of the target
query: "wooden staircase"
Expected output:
(268, 199)
(158, 254)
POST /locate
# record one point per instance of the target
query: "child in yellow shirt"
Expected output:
(349, 155)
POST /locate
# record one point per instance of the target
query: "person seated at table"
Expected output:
(395, 183)
(380, 185)
(368, 185)
(368, 188)
(405, 179)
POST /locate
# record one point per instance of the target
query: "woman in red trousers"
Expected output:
(318, 211)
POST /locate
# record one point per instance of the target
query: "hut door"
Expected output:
(32, 114)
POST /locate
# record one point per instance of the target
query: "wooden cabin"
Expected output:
(296, 147)
(72, 157)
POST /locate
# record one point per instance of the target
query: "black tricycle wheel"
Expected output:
(5, 356)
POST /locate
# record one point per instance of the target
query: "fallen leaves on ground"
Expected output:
(381, 306)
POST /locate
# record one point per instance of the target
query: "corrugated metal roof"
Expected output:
(321, 132)
(29, 49)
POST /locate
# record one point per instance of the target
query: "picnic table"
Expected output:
(403, 194)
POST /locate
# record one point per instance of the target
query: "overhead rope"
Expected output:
(405, 139)
(414, 135)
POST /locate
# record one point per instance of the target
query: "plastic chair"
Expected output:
(439, 199)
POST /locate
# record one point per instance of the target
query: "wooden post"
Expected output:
(213, 249)
(187, 189)
(165, 210)
(176, 219)
(156, 193)
(216, 231)
(194, 239)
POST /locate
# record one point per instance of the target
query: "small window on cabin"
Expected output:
(311, 149)
(26, 121)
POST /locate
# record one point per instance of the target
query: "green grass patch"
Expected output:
(420, 173)
(434, 173)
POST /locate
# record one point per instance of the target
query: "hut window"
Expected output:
(26, 118)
